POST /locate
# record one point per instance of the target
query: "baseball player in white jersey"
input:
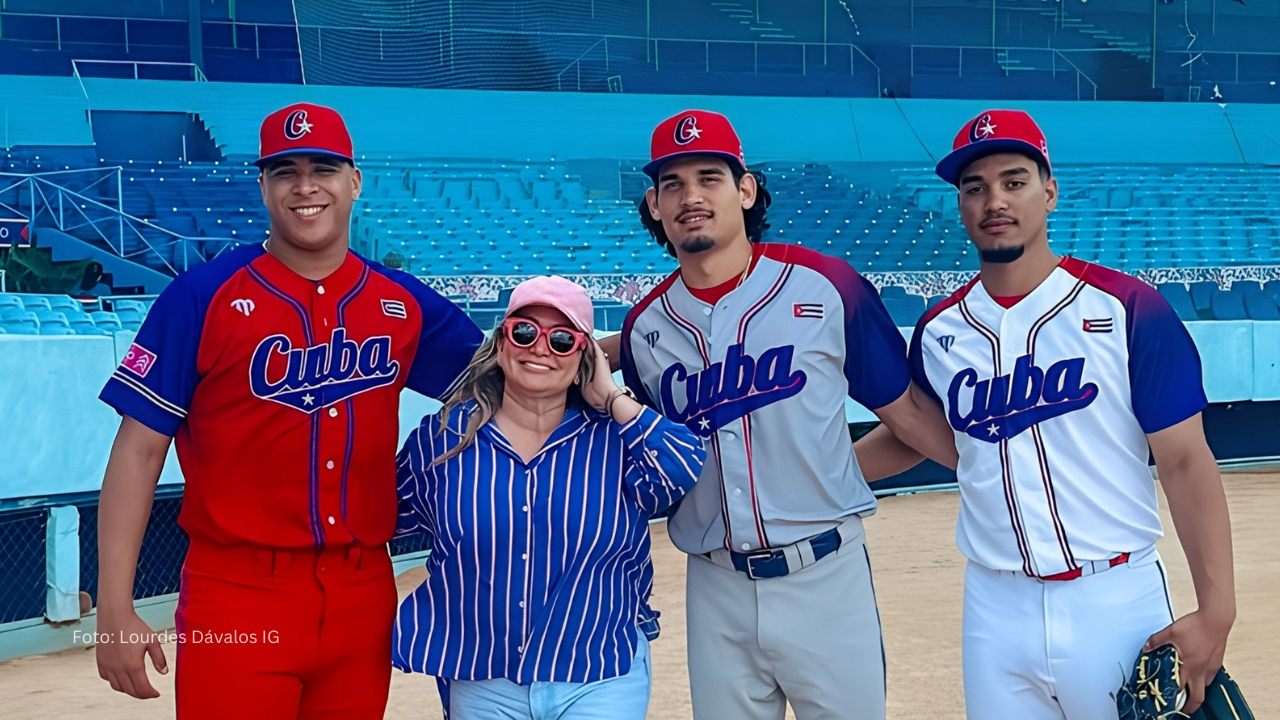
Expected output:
(754, 347)
(1057, 377)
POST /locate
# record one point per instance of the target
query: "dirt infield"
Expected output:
(918, 576)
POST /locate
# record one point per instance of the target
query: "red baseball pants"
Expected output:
(278, 634)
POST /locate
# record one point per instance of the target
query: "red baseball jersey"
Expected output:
(282, 393)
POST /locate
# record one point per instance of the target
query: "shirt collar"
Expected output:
(576, 416)
(337, 283)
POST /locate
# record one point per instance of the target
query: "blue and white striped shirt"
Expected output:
(538, 572)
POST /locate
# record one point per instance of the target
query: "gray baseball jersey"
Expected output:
(762, 375)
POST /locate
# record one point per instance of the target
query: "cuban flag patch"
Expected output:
(807, 310)
(1100, 325)
(394, 308)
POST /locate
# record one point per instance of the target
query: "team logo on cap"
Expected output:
(687, 130)
(981, 129)
(296, 125)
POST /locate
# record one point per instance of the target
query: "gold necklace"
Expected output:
(742, 278)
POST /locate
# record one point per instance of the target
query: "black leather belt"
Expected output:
(765, 564)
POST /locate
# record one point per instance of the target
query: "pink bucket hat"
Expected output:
(556, 292)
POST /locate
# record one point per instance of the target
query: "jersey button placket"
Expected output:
(331, 435)
(525, 519)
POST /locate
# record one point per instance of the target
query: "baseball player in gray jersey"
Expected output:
(754, 347)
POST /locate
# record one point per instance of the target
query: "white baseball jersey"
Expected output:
(1051, 401)
(762, 375)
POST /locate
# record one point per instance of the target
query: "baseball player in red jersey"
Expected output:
(1059, 378)
(277, 370)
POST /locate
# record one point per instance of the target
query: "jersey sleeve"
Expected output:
(875, 356)
(627, 363)
(413, 466)
(448, 341)
(1165, 374)
(156, 379)
(915, 362)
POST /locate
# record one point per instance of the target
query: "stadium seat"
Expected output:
(65, 304)
(1201, 297)
(1258, 305)
(106, 320)
(81, 323)
(1179, 298)
(19, 321)
(51, 319)
(130, 317)
(124, 304)
(1228, 305)
(903, 308)
(10, 301)
(35, 302)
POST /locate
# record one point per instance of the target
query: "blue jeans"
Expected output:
(620, 698)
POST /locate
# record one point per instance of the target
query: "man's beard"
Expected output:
(1003, 255)
(697, 244)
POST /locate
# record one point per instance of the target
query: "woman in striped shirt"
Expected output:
(536, 482)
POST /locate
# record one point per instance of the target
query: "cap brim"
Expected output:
(651, 169)
(951, 166)
(301, 151)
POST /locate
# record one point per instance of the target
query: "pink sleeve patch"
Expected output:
(138, 360)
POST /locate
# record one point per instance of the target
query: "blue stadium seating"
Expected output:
(1258, 305)
(29, 314)
(19, 321)
(1179, 299)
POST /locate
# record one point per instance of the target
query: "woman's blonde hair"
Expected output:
(483, 382)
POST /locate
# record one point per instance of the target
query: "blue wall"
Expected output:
(410, 123)
(55, 435)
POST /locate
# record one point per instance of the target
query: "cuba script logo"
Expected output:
(708, 400)
(1000, 408)
(309, 377)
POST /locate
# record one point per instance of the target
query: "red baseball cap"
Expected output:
(694, 132)
(991, 132)
(303, 129)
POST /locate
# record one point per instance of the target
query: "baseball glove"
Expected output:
(1154, 691)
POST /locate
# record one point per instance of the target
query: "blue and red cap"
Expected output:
(694, 132)
(303, 129)
(991, 132)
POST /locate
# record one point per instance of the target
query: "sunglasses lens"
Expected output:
(524, 334)
(562, 341)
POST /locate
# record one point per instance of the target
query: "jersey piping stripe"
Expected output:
(1010, 497)
(316, 527)
(302, 312)
(1043, 458)
(349, 404)
(701, 342)
(316, 532)
(751, 312)
(150, 394)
